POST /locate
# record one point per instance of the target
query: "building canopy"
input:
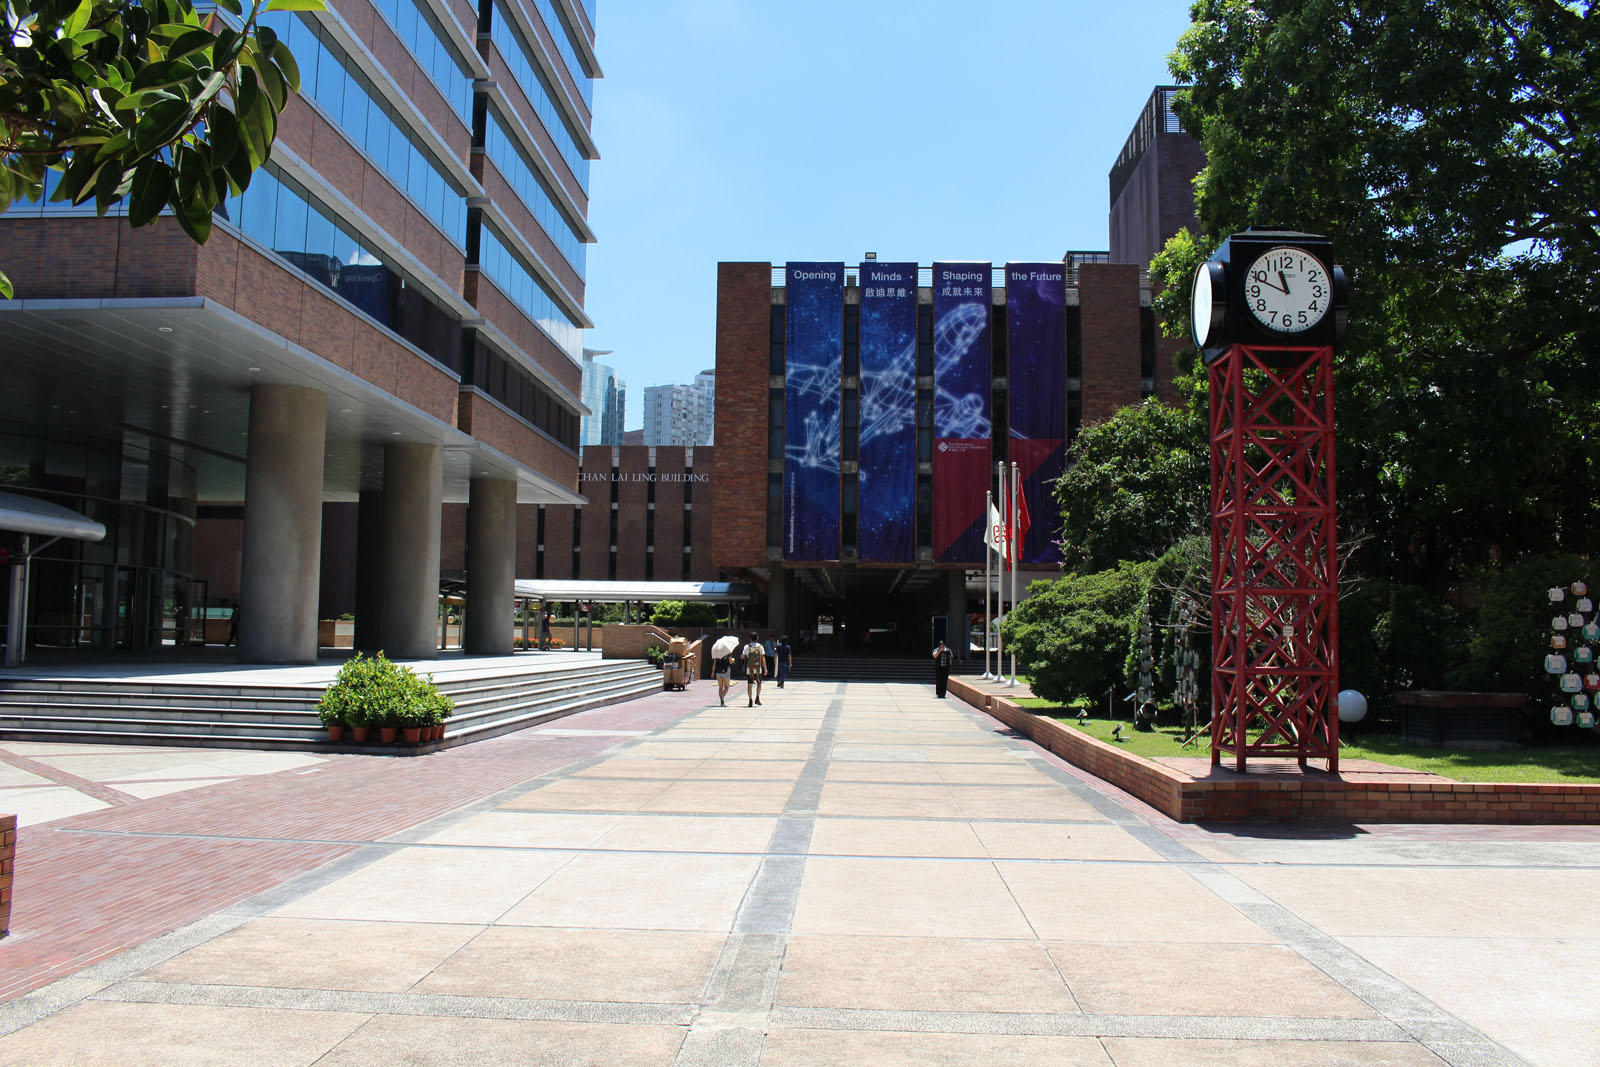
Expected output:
(622, 592)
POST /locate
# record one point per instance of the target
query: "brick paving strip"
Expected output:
(99, 791)
(184, 856)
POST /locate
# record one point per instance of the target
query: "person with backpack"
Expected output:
(755, 667)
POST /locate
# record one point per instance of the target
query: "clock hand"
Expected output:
(1262, 278)
(1285, 282)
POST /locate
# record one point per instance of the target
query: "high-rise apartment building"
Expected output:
(681, 414)
(388, 320)
(606, 396)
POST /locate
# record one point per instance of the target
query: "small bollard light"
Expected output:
(1352, 706)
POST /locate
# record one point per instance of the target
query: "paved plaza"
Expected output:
(848, 874)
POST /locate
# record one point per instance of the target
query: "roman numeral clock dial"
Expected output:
(1287, 290)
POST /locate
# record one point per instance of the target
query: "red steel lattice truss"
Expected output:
(1274, 552)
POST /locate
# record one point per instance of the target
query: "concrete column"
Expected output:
(956, 610)
(408, 568)
(491, 565)
(281, 558)
(778, 600)
(369, 581)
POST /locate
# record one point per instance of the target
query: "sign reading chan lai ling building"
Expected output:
(640, 476)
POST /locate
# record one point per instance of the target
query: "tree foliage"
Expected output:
(1450, 151)
(143, 100)
(1072, 634)
(1135, 483)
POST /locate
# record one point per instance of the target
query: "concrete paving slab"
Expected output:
(389, 1041)
(623, 966)
(632, 891)
(688, 833)
(895, 837)
(807, 1048)
(1201, 979)
(447, 885)
(899, 897)
(526, 829)
(1171, 1052)
(1054, 841)
(319, 954)
(922, 974)
(177, 1035)
(1122, 902)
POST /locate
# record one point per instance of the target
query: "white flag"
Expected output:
(995, 535)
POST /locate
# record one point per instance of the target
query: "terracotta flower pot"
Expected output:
(412, 735)
(359, 734)
(436, 732)
(336, 732)
(386, 734)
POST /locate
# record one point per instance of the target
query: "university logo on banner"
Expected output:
(962, 296)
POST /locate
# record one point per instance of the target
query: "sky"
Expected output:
(775, 130)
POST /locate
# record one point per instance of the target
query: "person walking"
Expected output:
(755, 668)
(782, 658)
(544, 630)
(942, 659)
(233, 626)
(724, 668)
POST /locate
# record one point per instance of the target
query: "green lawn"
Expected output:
(1576, 761)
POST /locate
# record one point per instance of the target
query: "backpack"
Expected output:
(755, 660)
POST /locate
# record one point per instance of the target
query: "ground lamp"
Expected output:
(1268, 308)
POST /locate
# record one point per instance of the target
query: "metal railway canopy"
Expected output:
(634, 592)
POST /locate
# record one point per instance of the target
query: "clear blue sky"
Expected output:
(776, 130)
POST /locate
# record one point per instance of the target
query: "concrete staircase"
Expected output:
(285, 717)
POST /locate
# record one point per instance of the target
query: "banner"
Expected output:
(814, 349)
(887, 500)
(1036, 319)
(961, 431)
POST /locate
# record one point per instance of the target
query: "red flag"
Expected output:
(1023, 520)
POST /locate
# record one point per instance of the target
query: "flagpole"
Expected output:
(1000, 584)
(988, 553)
(1016, 490)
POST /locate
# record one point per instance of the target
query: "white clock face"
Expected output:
(1287, 290)
(1200, 309)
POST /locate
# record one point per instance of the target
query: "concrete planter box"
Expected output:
(1460, 719)
(336, 633)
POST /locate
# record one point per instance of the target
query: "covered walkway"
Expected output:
(850, 873)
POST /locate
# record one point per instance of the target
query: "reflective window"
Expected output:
(328, 77)
(563, 38)
(535, 193)
(537, 88)
(432, 46)
(280, 214)
(529, 293)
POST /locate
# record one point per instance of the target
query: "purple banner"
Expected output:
(814, 351)
(887, 500)
(1036, 319)
(961, 429)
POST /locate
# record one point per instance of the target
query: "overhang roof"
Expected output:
(29, 515)
(617, 592)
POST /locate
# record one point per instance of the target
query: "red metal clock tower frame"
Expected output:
(1274, 555)
(1274, 541)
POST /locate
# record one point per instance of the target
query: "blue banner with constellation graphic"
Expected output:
(961, 431)
(1036, 320)
(886, 504)
(814, 351)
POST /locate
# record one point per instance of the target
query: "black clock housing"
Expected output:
(1240, 325)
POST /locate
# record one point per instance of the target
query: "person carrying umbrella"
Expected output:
(722, 662)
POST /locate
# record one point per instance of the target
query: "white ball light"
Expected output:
(1352, 706)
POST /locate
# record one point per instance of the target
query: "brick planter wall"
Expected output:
(1315, 795)
(8, 857)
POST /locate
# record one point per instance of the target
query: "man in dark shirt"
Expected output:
(942, 659)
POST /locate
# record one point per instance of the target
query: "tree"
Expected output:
(1135, 484)
(1450, 151)
(139, 99)
(1072, 634)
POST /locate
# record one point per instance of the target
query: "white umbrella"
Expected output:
(724, 646)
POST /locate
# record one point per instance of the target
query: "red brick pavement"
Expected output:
(93, 885)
